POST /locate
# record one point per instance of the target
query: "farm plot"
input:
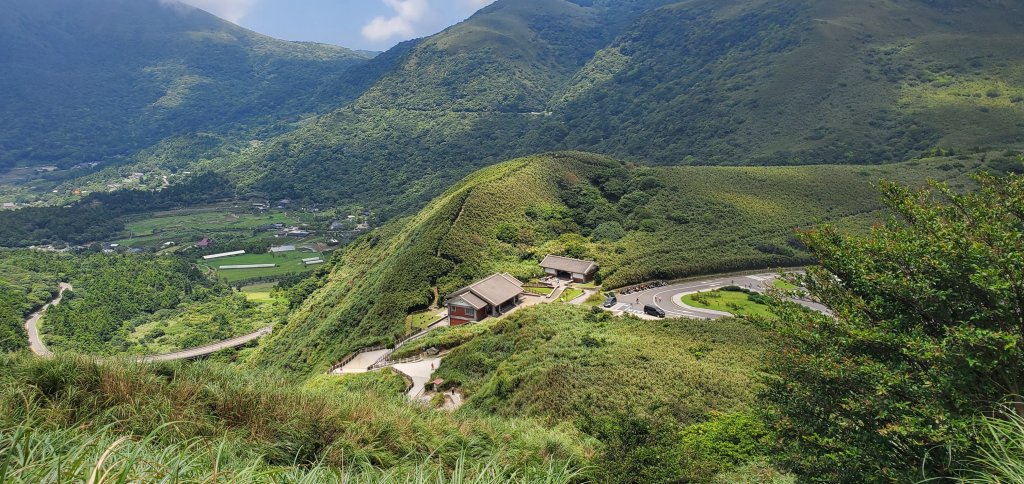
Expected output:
(283, 264)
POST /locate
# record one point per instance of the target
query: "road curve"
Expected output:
(669, 298)
(39, 349)
(193, 353)
(35, 342)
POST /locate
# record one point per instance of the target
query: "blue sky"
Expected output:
(358, 24)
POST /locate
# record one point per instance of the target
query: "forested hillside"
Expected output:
(97, 80)
(121, 304)
(27, 281)
(651, 81)
(694, 82)
(639, 223)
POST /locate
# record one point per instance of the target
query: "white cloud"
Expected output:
(408, 13)
(230, 10)
(413, 16)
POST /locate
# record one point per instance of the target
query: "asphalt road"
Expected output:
(35, 342)
(668, 298)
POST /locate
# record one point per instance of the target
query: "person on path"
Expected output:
(431, 366)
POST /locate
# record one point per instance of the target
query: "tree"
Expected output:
(610, 231)
(927, 335)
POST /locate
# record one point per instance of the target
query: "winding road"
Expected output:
(669, 298)
(35, 342)
(39, 349)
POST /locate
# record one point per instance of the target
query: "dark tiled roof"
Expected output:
(494, 290)
(566, 264)
(472, 300)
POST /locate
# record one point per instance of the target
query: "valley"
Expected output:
(560, 241)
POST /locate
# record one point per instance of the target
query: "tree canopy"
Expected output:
(929, 316)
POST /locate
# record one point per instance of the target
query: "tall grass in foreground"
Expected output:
(35, 456)
(1001, 456)
(70, 419)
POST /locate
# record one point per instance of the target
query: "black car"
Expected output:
(654, 311)
(610, 301)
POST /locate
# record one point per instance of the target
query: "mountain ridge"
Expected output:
(94, 80)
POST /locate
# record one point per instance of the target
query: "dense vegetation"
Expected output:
(926, 340)
(638, 223)
(670, 400)
(656, 81)
(138, 304)
(113, 290)
(144, 71)
(564, 362)
(101, 216)
(69, 418)
(765, 82)
(27, 281)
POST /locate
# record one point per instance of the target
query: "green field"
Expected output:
(260, 292)
(570, 294)
(288, 263)
(223, 223)
(543, 291)
(736, 303)
(784, 285)
(419, 321)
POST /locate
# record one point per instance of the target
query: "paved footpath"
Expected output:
(420, 372)
(669, 298)
(362, 362)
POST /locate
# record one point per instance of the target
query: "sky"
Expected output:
(356, 24)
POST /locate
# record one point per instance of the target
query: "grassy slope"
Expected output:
(805, 82)
(393, 271)
(561, 362)
(696, 220)
(737, 303)
(201, 420)
(694, 82)
(743, 217)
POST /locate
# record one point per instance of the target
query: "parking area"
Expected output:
(669, 298)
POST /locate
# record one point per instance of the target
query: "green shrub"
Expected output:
(63, 413)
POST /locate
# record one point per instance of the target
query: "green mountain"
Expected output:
(694, 82)
(803, 82)
(97, 80)
(652, 81)
(639, 223)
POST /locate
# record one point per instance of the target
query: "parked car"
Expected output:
(610, 301)
(654, 311)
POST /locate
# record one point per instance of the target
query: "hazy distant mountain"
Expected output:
(85, 80)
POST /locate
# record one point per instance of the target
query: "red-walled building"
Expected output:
(492, 296)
